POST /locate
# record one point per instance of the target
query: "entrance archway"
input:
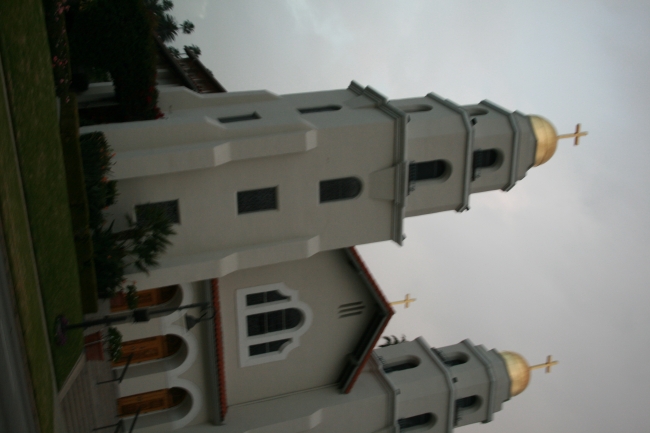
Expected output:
(146, 298)
(152, 401)
(149, 349)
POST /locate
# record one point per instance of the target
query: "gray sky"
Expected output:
(559, 265)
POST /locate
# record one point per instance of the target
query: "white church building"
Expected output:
(269, 195)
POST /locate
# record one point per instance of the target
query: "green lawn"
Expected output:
(47, 262)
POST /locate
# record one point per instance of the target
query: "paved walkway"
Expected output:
(87, 405)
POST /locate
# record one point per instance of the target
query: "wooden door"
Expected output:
(150, 401)
(149, 349)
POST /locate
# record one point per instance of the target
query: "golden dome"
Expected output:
(518, 370)
(546, 139)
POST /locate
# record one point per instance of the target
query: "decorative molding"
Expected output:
(393, 391)
(515, 140)
(469, 146)
(399, 160)
(451, 416)
(491, 377)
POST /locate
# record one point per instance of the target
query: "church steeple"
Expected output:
(454, 385)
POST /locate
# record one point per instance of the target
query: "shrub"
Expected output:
(139, 245)
(96, 158)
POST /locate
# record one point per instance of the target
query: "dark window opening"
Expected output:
(474, 110)
(273, 321)
(264, 297)
(484, 158)
(454, 361)
(271, 346)
(147, 213)
(414, 421)
(426, 170)
(241, 118)
(339, 189)
(257, 200)
(466, 402)
(319, 109)
(390, 368)
(418, 108)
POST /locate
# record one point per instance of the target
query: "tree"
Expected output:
(193, 48)
(187, 27)
(174, 51)
(167, 27)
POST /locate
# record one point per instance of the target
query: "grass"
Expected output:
(40, 170)
(69, 130)
(23, 272)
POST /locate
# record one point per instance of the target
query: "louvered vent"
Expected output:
(351, 309)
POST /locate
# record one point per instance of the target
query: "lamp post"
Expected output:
(61, 325)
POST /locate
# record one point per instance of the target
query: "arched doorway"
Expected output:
(149, 349)
(152, 401)
(146, 298)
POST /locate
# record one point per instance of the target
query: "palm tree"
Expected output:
(187, 27)
(193, 48)
(167, 28)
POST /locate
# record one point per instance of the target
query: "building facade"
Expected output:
(269, 194)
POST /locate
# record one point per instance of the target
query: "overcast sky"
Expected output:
(558, 265)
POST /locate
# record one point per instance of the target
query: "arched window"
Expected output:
(319, 109)
(427, 170)
(273, 321)
(453, 359)
(344, 188)
(416, 108)
(484, 158)
(411, 423)
(467, 405)
(270, 322)
(400, 366)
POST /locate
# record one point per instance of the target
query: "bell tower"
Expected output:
(253, 178)
(452, 386)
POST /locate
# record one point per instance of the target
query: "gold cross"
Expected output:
(576, 134)
(548, 364)
(406, 301)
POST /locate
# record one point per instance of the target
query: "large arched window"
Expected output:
(273, 321)
(339, 189)
(413, 422)
(270, 320)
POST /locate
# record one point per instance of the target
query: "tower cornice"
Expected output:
(400, 161)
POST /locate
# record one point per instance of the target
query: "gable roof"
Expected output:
(189, 71)
(357, 359)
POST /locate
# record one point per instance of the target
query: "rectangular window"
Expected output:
(257, 200)
(241, 118)
(264, 297)
(144, 212)
(272, 346)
